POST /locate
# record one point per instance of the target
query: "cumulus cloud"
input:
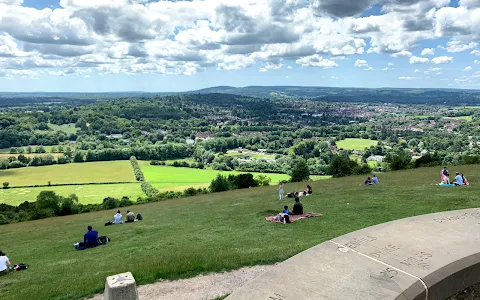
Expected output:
(418, 60)
(316, 61)
(428, 51)
(187, 37)
(391, 64)
(442, 60)
(476, 62)
(402, 53)
(406, 78)
(417, 71)
(467, 69)
(361, 63)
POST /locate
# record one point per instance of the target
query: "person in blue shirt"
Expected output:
(458, 179)
(90, 239)
(375, 179)
(285, 210)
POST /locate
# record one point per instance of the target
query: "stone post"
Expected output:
(121, 287)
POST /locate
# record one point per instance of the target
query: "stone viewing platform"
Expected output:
(429, 257)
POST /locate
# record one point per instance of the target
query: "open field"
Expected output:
(466, 118)
(67, 128)
(184, 237)
(87, 194)
(371, 164)
(356, 144)
(111, 171)
(166, 177)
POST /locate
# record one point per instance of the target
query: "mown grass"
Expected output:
(355, 144)
(87, 194)
(111, 171)
(466, 118)
(184, 237)
(167, 177)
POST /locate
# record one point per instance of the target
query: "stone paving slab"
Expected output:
(436, 254)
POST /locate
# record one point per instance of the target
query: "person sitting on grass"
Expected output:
(465, 181)
(117, 219)
(375, 179)
(130, 217)
(368, 181)
(4, 264)
(458, 179)
(90, 239)
(445, 175)
(285, 210)
(297, 207)
(308, 191)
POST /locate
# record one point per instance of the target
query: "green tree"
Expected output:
(340, 166)
(400, 161)
(300, 171)
(6, 185)
(219, 184)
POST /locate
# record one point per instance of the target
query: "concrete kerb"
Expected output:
(121, 287)
(428, 257)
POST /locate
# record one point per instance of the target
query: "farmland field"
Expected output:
(356, 144)
(466, 118)
(165, 177)
(87, 194)
(112, 171)
(184, 237)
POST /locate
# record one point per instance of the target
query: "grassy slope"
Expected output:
(112, 171)
(355, 144)
(87, 194)
(184, 237)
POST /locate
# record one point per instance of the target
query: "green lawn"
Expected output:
(356, 144)
(112, 171)
(466, 118)
(67, 128)
(215, 232)
(87, 194)
(168, 178)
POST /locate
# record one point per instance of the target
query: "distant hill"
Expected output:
(335, 94)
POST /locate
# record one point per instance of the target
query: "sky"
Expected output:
(171, 46)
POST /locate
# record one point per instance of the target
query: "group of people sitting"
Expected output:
(372, 181)
(459, 178)
(284, 216)
(130, 218)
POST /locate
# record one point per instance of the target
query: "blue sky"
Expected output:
(132, 45)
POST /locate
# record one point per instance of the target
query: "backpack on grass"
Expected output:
(19, 267)
(102, 240)
(139, 217)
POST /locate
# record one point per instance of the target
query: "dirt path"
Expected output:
(203, 287)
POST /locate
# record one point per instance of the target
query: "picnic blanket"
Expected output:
(295, 217)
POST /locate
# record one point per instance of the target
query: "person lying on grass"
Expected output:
(297, 207)
(4, 263)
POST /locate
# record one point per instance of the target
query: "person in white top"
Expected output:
(4, 263)
(117, 219)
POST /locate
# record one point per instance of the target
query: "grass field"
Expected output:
(167, 178)
(355, 144)
(466, 118)
(87, 194)
(215, 232)
(357, 158)
(111, 171)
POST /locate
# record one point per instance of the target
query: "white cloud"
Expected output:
(467, 69)
(391, 64)
(369, 69)
(475, 52)
(316, 61)
(263, 70)
(385, 69)
(86, 76)
(417, 71)
(335, 78)
(418, 60)
(428, 51)
(442, 60)
(458, 46)
(402, 53)
(361, 63)
(289, 67)
(406, 78)
(476, 62)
